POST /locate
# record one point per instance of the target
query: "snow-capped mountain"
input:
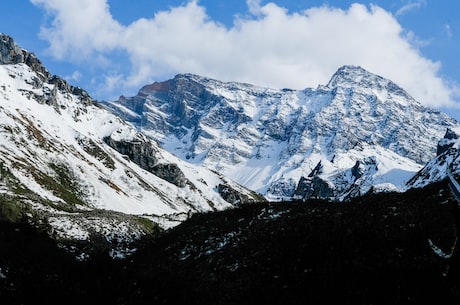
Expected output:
(359, 132)
(67, 161)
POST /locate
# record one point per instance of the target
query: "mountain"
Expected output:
(358, 133)
(69, 165)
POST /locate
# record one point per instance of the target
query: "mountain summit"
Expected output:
(360, 132)
(358, 77)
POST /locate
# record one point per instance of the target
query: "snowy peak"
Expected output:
(270, 140)
(350, 76)
(359, 78)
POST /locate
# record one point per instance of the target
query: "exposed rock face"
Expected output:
(447, 159)
(141, 152)
(171, 173)
(360, 173)
(347, 184)
(313, 187)
(11, 54)
(447, 142)
(231, 195)
(361, 168)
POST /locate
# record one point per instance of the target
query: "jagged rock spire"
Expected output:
(449, 139)
(11, 53)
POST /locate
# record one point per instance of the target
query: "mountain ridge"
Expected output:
(270, 140)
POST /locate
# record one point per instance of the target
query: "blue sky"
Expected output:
(114, 47)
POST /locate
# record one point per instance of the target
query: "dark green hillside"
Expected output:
(372, 250)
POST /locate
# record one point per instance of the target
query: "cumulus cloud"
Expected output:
(254, 6)
(269, 47)
(79, 28)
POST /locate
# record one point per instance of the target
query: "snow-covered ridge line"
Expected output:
(361, 132)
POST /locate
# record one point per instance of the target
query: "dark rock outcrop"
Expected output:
(313, 187)
(363, 167)
(447, 142)
(231, 195)
(11, 54)
(171, 173)
(143, 153)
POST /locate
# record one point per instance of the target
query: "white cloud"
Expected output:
(410, 6)
(254, 6)
(79, 28)
(75, 76)
(271, 47)
(448, 30)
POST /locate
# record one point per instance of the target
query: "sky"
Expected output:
(114, 47)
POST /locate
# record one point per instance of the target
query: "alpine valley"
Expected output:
(197, 191)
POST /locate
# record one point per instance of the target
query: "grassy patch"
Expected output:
(149, 226)
(65, 184)
(112, 185)
(95, 150)
(11, 210)
(34, 132)
(8, 179)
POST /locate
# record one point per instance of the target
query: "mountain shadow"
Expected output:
(388, 248)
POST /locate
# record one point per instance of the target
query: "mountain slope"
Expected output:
(72, 164)
(360, 132)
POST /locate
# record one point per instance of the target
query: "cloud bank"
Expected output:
(268, 47)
